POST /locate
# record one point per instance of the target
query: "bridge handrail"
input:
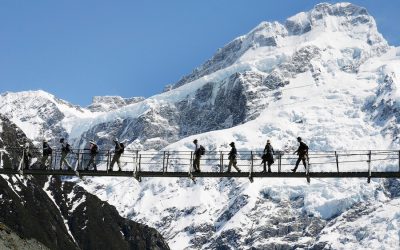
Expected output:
(212, 158)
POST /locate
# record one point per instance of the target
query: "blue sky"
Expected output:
(78, 49)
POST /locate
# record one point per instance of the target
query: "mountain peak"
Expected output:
(352, 23)
(339, 16)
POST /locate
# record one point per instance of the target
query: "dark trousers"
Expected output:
(92, 161)
(301, 158)
(114, 160)
(269, 165)
(27, 162)
(44, 160)
(196, 163)
(64, 160)
(233, 162)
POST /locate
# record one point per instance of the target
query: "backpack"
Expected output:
(202, 150)
(49, 151)
(122, 148)
(67, 148)
(94, 149)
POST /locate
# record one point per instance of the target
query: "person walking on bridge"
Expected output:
(65, 150)
(302, 152)
(46, 153)
(94, 149)
(268, 156)
(118, 151)
(198, 152)
(27, 155)
(232, 158)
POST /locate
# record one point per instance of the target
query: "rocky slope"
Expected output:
(62, 215)
(9, 240)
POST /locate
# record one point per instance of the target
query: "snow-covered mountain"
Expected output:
(327, 75)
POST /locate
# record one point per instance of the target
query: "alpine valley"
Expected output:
(326, 75)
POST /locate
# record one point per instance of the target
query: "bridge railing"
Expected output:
(212, 161)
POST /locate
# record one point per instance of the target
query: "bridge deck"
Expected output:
(206, 174)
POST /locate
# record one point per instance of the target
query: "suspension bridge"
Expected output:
(168, 164)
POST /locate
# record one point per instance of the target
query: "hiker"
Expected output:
(118, 151)
(302, 152)
(232, 158)
(198, 152)
(268, 156)
(27, 156)
(65, 150)
(47, 150)
(94, 149)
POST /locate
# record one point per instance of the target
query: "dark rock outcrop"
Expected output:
(62, 215)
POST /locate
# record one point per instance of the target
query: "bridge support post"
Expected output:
(279, 161)
(337, 161)
(82, 153)
(221, 159)
(163, 163)
(1, 157)
(251, 167)
(191, 168)
(79, 160)
(369, 167)
(108, 160)
(166, 163)
(399, 161)
(55, 160)
(51, 161)
(137, 172)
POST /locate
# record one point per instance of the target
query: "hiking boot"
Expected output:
(294, 170)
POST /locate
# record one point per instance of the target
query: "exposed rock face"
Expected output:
(384, 106)
(63, 215)
(264, 35)
(29, 212)
(9, 240)
(109, 103)
(217, 105)
(91, 219)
